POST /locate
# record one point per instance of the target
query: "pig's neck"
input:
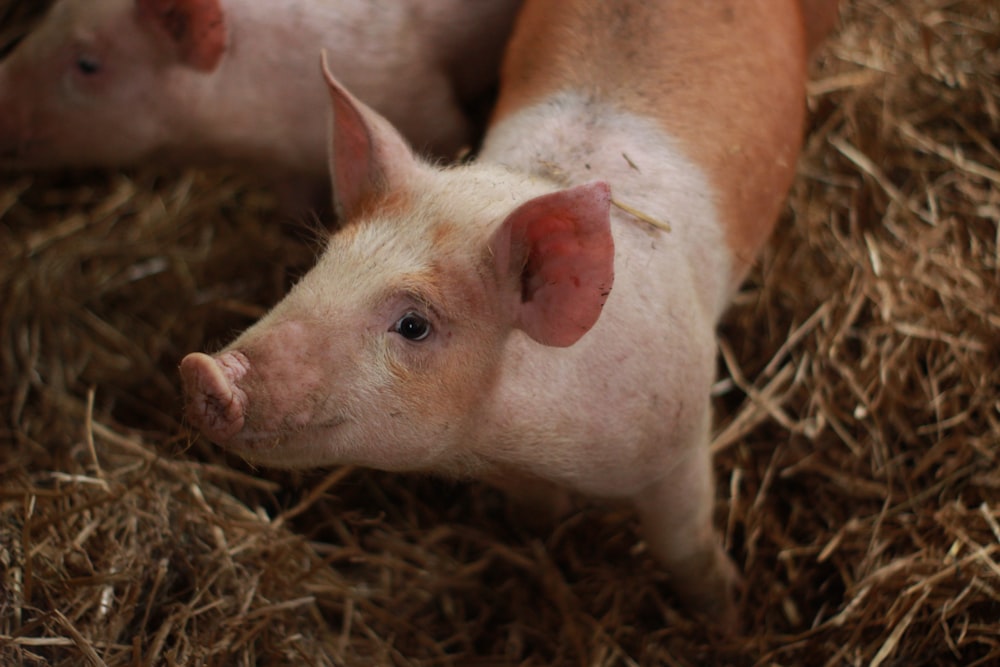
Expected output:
(572, 139)
(650, 355)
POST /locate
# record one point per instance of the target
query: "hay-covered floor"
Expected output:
(858, 416)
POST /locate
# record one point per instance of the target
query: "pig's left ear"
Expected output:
(196, 28)
(559, 250)
(369, 159)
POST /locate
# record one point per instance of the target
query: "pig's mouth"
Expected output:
(252, 444)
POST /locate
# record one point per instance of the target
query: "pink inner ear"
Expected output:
(368, 158)
(563, 242)
(352, 154)
(196, 27)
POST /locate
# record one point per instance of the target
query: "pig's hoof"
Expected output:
(722, 604)
(215, 403)
(713, 588)
(727, 607)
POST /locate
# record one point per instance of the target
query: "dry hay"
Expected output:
(858, 419)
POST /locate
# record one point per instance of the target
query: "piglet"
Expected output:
(117, 82)
(463, 321)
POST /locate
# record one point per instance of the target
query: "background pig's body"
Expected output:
(692, 113)
(164, 90)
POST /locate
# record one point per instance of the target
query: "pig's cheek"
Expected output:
(418, 368)
(444, 381)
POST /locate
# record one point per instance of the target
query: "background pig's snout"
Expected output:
(214, 402)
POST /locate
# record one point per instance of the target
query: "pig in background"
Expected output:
(102, 83)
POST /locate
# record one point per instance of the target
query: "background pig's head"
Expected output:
(87, 87)
(385, 353)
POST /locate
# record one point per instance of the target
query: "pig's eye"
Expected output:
(413, 326)
(88, 65)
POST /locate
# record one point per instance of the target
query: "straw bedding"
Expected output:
(858, 418)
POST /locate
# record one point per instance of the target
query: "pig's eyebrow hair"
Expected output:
(417, 285)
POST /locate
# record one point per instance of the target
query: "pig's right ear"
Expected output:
(369, 159)
(195, 28)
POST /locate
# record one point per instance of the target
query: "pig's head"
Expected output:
(90, 85)
(387, 351)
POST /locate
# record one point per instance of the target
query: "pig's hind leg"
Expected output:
(676, 519)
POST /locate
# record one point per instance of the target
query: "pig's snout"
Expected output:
(215, 403)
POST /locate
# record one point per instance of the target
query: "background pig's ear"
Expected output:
(560, 249)
(196, 28)
(368, 157)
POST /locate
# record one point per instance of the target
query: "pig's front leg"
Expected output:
(676, 518)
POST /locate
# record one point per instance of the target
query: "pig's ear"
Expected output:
(195, 28)
(369, 159)
(559, 251)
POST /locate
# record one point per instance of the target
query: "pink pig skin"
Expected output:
(463, 321)
(118, 82)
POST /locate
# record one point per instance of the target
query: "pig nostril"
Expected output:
(215, 403)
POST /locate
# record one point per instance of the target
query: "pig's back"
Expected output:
(723, 79)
